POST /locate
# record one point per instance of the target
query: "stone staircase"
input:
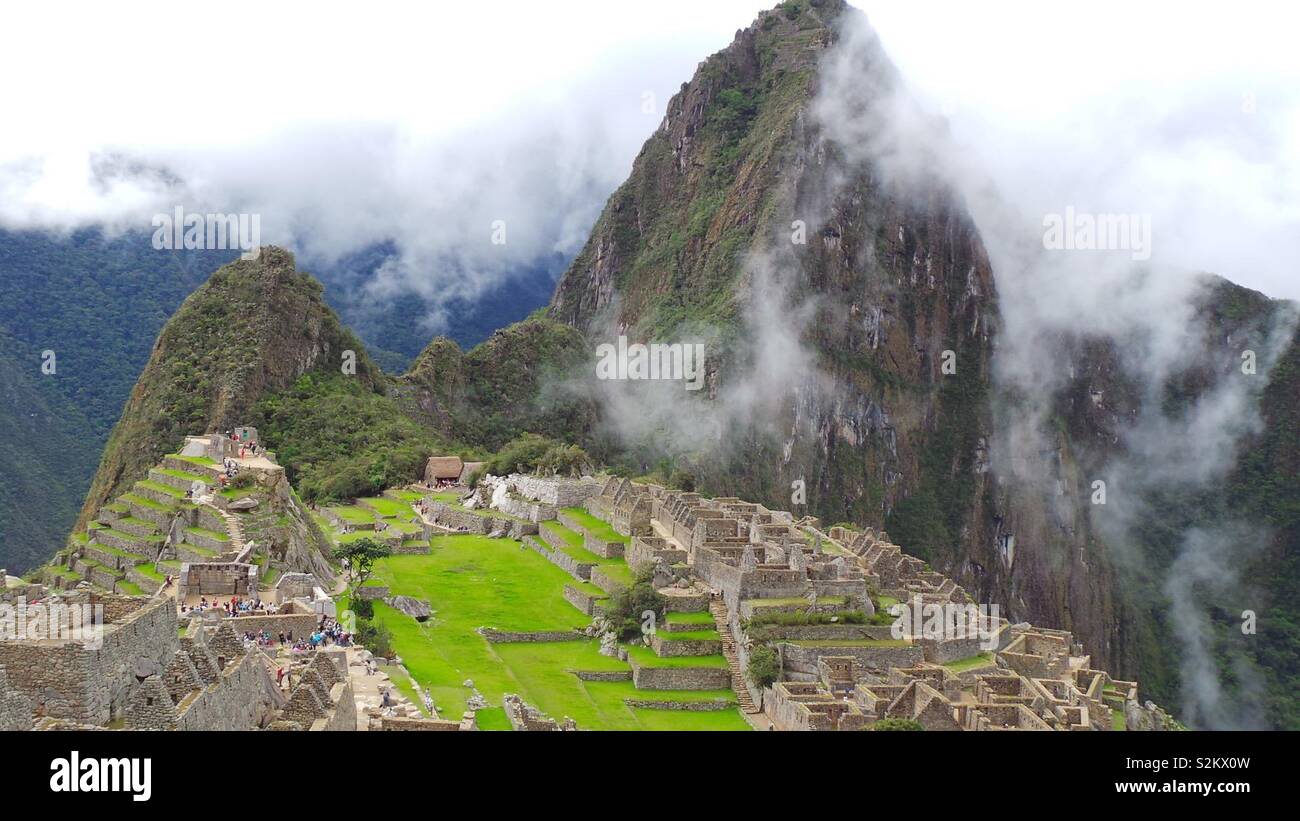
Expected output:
(233, 526)
(723, 620)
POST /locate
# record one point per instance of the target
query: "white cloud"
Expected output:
(1189, 112)
(345, 124)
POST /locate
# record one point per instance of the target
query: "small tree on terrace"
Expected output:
(361, 556)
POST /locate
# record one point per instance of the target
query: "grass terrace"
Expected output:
(201, 461)
(796, 601)
(645, 657)
(353, 514)
(596, 527)
(970, 663)
(691, 635)
(161, 488)
(573, 546)
(386, 507)
(473, 581)
(701, 617)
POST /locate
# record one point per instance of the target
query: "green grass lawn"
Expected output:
(195, 460)
(353, 514)
(404, 685)
(474, 581)
(971, 663)
(692, 635)
(596, 527)
(211, 534)
(404, 527)
(186, 475)
(702, 617)
(796, 601)
(670, 720)
(646, 657)
(388, 507)
(161, 488)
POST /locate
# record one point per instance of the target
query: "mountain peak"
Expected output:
(253, 328)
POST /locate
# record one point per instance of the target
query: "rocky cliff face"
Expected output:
(515, 381)
(254, 328)
(849, 313)
(852, 324)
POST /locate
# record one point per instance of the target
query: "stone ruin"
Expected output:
(525, 718)
(988, 675)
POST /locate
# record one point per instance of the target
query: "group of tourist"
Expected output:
(331, 632)
(246, 449)
(235, 606)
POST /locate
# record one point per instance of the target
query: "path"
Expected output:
(748, 708)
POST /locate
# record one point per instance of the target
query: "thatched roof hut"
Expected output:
(443, 469)
(469, 468)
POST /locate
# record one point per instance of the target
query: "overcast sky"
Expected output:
(346, 124)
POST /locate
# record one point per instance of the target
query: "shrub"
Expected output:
(895, 724)
(375, 637)
(626, 605)
(682, 480)
(764, 666)
(531, 453)
(243, 480)
(364, 608)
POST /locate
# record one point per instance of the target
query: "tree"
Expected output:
(764, 666)
(361, 556)
(627, 604)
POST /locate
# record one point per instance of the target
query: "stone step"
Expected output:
(178, 479)
(723, 621)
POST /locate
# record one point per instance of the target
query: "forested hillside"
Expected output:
(97, 303)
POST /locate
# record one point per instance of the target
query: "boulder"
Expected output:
(415, 608)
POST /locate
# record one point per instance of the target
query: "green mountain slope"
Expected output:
(252, 330)
(97, 302)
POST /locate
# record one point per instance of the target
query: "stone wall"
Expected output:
(506, 637)
(342, 717)
(585, 602)
(670, 647)
(555, 491)
(698, 706)
(523, 509)
(419, 724)
(301, 624)
(681, 678)
(68, 680)
(236, 701)
(800, 663)
(16, 709)
(484, 523)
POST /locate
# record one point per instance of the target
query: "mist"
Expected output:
(1188, 145)
(474, 145)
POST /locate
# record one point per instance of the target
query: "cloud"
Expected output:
(1170, 124)
(1191, 117)
(418, 125)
